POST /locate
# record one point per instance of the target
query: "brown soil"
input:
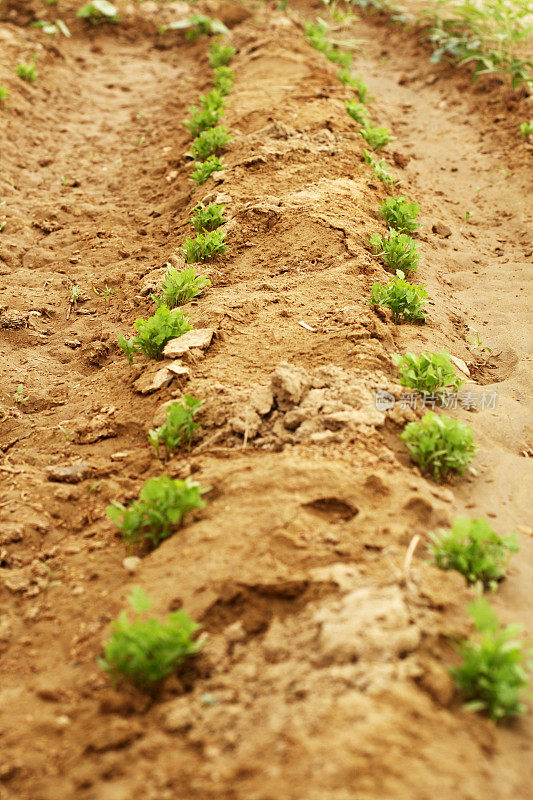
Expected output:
(324, 675)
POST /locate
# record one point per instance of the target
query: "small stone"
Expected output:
(72, 343)
(262, 400)
(200, 338)
(179, 369)
(441, 230)
(177, 716)
(460, 364)
(288, 385)
(16, 580)
(235, 632)
(131, 563)
(69, 473)
(151, 382)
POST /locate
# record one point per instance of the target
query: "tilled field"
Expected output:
(324, 675)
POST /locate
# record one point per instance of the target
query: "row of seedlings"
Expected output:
(492, 675)
(141, 650)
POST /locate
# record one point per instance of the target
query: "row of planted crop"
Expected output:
(492, 675)
(144, 650)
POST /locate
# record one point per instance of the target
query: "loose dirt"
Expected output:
(325, 671)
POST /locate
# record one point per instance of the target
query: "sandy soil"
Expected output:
(325, 672)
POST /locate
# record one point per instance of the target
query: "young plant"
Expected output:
(203, 119)
(128, 347)
(220, 54)
(197, 25)
(204, 169)
(204, 247)
(358, 112)
(223, 79)
(400, 214)
(210, 142)
(474, 549)
(4, 94)
(430, 373)
(440, 445)
(98, 11)
(144, 651)
(179, 427)
(162, 505)
(405, 300)
(526, 129)
(27, 72)
(493, 674)
(180, 287)
(156, 331)
(398, 251)
(208, 218)
(376, 138)
(18, 396)
(380, 169)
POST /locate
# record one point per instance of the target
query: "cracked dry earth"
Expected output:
(324, 676)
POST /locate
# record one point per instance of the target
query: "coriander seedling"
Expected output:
(4, 94)
(223, 80)
(208, 218)
(376, 138)
(400, 214)
(98, 11)
(398, 251)
(179, 427)
(162, 505)
(430, 373)
(380, 169)
(27, 72)
(440, 445)
(203, 119)
(220, 54)
(204, 169)
(405, 300)
(210, 142)
(493, 673)
(526, 129)
(128, 347)
(180, 286)
(204, 246)
(357, 112)
(18, 396)
(156, 331)
(474, 549)
(145, 651)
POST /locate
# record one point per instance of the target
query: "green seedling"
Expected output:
(220, 54)
(162, 505)
(203, 119)
(474, 340)
(398, 251)
(66, 434)
(98, 11)
(400, 214)
(495, 662)
(474, 549)
(204, 169)
(213, 99)
(357, 83)
(429, 373)
(210, 142)
(179, 427)
(223, 79)
(156, 331)
(27, 72)
(145, 651)
(18, 396)
(128, 347)
(106, 293)
(204, 247)
(197, 25)
(316, 36)
(376, 138)
(50, 29)
(4, 94)
(357, 111)
(441, 446)
(180, 287)
(405, 300)
(526, 129)
(380, 169)
(208, 218)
